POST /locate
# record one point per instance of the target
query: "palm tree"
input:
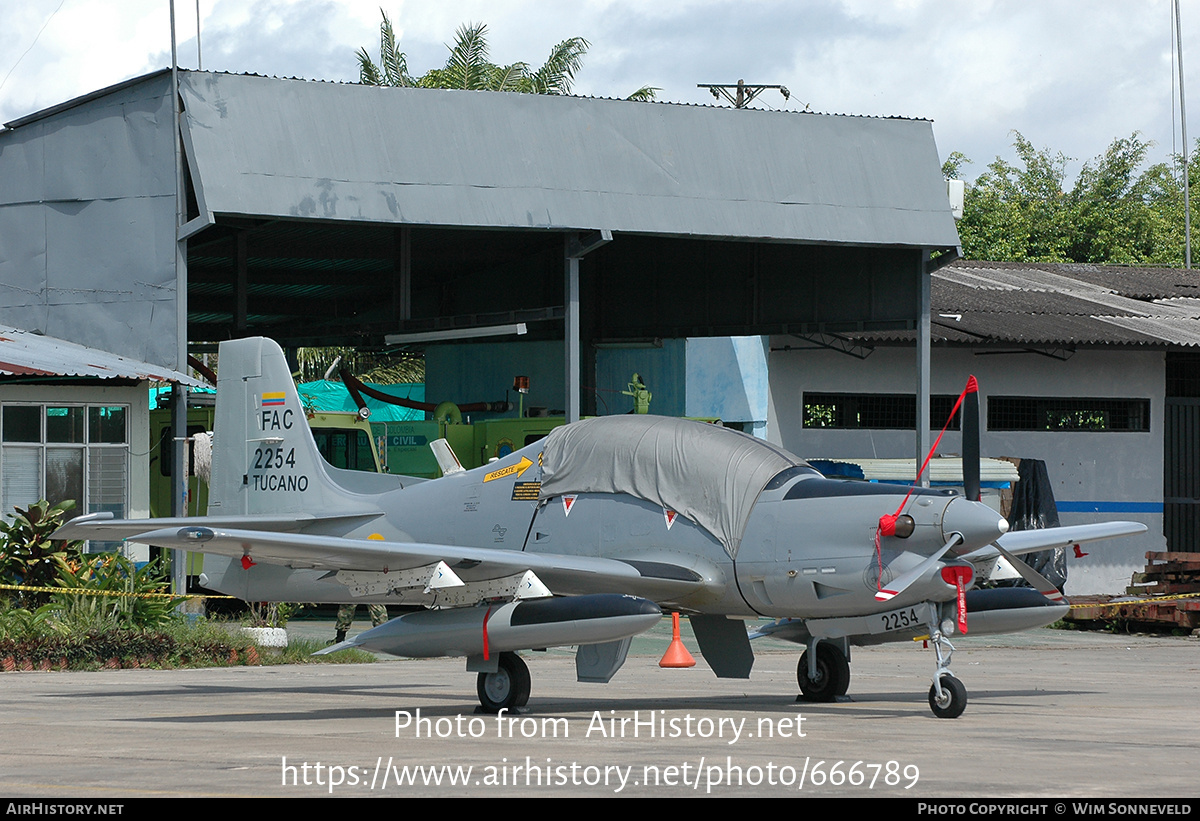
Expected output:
(468, 66)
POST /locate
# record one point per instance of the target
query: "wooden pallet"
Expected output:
(1161, 595)
(1167, 574)
(1178, 612)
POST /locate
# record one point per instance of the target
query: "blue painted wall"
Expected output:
(727, 378)
(663, 370)
(482, 373)
(724, 377)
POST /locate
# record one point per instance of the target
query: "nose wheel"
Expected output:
(507, 688)
(951, 701)
(829, 679)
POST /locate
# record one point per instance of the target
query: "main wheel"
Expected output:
(953, 700)
(833, 674)
(508, 687)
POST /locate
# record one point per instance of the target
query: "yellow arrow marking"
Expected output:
(517, 469)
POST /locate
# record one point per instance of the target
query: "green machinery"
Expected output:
(404, 446)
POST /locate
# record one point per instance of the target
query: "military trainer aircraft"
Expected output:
(584, 537)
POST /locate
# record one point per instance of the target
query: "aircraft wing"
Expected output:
(566, 575)
(104, 527)
(1031, 541)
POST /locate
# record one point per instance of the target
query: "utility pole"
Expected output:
(1187, 169)
(743, 94)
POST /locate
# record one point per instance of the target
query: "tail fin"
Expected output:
(264, 457)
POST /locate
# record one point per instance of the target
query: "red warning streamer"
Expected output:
(959, 576)
(486, 616)
(887, 522)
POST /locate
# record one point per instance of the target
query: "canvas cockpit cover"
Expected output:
(707, 473)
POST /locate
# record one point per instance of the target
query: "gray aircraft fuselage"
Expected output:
(808, 549)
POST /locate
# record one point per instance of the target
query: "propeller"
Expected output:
(967, 522)
(970, 440)
(1036, 580)
(971, 487)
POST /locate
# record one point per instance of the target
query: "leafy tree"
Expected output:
(1017, 211)
(381, 368)
(469, 66)
(1113, 214)
(1112, 220)
(952, 167)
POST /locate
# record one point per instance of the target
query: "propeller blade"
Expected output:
(1036, 580)
(970, 440)
(898, 585)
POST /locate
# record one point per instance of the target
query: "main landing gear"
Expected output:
(507, 688)
(824, 669)
(828, 677)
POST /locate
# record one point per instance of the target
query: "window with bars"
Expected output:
(62, 451)
(875, 411)
(1065, 413)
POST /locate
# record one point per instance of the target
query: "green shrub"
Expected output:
(107, 578)
(27, 554)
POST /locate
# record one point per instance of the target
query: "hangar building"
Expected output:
(607, 231)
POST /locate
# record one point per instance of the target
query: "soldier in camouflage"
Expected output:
(345, 616)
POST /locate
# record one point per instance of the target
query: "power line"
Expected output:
(31, 45)
(743, 93)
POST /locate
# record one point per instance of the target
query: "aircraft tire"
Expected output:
(833, 674)
(508, 687)
(953, 701)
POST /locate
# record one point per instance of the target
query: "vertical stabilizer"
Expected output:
(264, 457)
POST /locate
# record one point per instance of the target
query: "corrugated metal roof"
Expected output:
(1129, 281)
(1066, 304)
(289, 148)
(23, 353)
(1060, 305)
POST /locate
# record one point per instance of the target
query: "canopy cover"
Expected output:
(709, 474)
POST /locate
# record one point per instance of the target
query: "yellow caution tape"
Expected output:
(1153, 600)
(82, 591)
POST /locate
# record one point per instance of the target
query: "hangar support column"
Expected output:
(923, 364)
(577, 246)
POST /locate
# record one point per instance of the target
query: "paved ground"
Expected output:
(1053, 714)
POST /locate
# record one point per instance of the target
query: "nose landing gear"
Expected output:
(948, 695)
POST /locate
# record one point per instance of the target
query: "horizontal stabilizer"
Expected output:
(103, 527)
(1031, 541)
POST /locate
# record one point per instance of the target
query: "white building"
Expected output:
(75, 424)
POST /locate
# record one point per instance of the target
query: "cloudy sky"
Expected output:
(1070, 75)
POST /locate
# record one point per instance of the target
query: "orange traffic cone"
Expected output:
(676, 655)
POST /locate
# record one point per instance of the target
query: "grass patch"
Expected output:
(300, 651)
